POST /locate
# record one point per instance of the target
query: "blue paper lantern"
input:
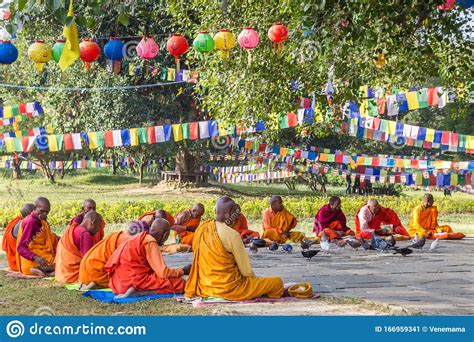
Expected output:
(113, 50)
(8, 52)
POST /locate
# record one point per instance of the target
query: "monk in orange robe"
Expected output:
(137, 267)
(76, 241)
(36, 243)
(242, 228)
(11, 233)
(372, 217)
(221, 266)
(186, 223)
(92, 273)
(424, 221)
(89, 205)
(278, 223)
(331, 221)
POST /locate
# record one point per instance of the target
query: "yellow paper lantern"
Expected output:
(225, 41)
(40, 53)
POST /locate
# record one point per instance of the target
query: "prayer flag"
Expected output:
(412, 99)
(125, 137)
(402, 102)
(213, 129)
(71, 48)
(260, 126)
(185, 130)
(364, 108)
(429, 134)
(133, 137)
(52, 143)
(167, 129)
(159, 134)
(151, 134)
(92, 140)
(203, 129)
(442, 97)
(283, 121)
(109, 139)
(177, 132)
(373, 107)
(194, 130)
(422, 96)
(292, 119)
(117, 137)
(143, 135)
(76, 141)
(432, 97)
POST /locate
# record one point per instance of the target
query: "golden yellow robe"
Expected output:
(275, 224)
(215, 273)
(424, 221)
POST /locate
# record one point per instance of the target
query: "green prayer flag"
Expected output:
(186, 131)
(283, 121)
(60, 140)
(15, 110)
(373, 109)
(100, 139)
(422, 98)
(18, 145)
(142, 135)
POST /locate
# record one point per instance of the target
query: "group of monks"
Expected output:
(131, 262)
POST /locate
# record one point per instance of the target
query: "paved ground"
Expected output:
(427, 283)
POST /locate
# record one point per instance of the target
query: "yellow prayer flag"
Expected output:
(171, 74)
(7, 112)
(52, 143)
(392, 127)
(470, 142)
(134, 136)
(49, 129)
(177, 132)
(9, 144)
(323, 157)
(71, 50)
(429, 134)
(93, 140)
(412, 99)
(364, 108)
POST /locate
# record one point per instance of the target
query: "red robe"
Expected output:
(383, 216)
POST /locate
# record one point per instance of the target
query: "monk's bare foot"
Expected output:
(37, 272)
(50, 274)
(132, 292)
(87, 287)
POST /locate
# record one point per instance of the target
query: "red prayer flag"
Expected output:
(109, 139)
(150, 132)
(370, 134)
(377, 123)
(25, 142)
(445, 138)
(68, 144)
(381, 105)
(375, 161)
(454, 139)
(292, 119)
(194, 130)
(22, 108)
(432, 97)
(262, 148)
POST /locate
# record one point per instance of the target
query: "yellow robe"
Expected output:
(215, 273)
(424, 221)
(275, 224)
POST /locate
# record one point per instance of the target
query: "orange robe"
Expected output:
(424, 221)
(43, 244)
(275, 224)
(92, 266)
(383, 216)
(68, 257)
(138, 263)
(335, 230)
(242, 227)
(9, 243)
(215, 272)
(185, 218)
(149, 215)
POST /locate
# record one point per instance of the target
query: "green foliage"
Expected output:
(303, 207)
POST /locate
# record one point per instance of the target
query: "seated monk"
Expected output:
(278, 223)
(151, 215)
(424, 221)
(221, 266)
(92, 273)
(330, 220)
(372, 216)
(137, 267)
(242, 228)
(89, 205)
(36, 243)
(186, 223)
(76, 241)
(11, 232)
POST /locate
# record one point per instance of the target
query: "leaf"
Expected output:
(21, 4)
(54, 5)
(123, 19)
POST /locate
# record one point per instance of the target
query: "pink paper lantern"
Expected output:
(147, 48)
(248, 38)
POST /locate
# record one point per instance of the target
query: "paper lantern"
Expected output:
(114, 52)
(248, 39)
(225, 41)
(89, 53)
(40, 53)
(58, 49)
(177, 45)
(147, 48)
(277, 34)
(8, 52)
(203, 42)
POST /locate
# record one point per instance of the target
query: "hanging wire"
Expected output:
(140, 86)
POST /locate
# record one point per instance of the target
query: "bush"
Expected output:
(303, 207)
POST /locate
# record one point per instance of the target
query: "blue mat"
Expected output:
(108, 297)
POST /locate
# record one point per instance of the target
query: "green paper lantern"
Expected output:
(204, 42)
(58, 49)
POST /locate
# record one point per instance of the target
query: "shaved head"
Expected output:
(89, 205)
(373, 205)
(276, 203)
(428, 200)
(160, 214)
(27, 209)
(335, 203)
(92, 222)
(160, 230)
(197, 210)
(226, 211)
(42, 208)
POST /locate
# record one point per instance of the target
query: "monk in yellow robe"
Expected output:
(221, 266)
(137, 267)
(278, 223)
(424, 221)
(89, 205)
(92, 273)
(11, 233)
(186, 223)
(76, 241)
(241, 226)
(36, 243)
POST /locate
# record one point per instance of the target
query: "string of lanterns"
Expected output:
(147, 49)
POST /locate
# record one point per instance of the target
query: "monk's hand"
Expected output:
(187, 269)
(40, 261)
(178, 229)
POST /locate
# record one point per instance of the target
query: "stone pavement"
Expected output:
(427, 283)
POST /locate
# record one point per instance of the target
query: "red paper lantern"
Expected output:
(177, 45)
(90, 51)
(278, 33)
(147, 48)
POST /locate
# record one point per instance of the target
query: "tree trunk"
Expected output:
(16, 170)
(114, 165)
(47, 172)
(185, 162)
